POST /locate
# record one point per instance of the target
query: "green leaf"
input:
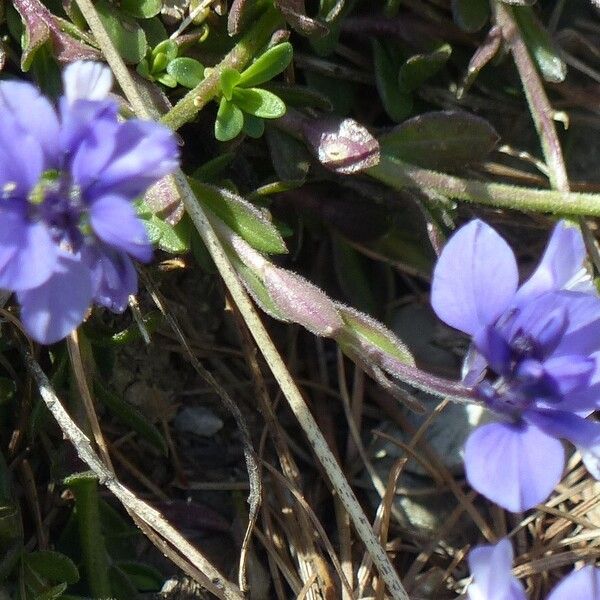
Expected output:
(121, 586)
(155, 32)
(417, 69)
(254, 285)
(168, 47)
(289, 156)
(141, 9)
(52, 593)
(471, 15)
(94, 557)
(268, 65)
(144, 577)
(229, 79)
(126, 34)
(440, 140)
(397, 104)
(53, 566)
(230, 121)
(259, 103)
(242, 217)
(168, 237)
(167, 80)
(371, 334)
(253, 126)
(131, 416)
(188, 72)
(540, 45)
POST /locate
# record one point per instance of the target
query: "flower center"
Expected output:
(522, 369)
(58, 203)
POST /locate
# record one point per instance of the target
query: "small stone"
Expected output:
(198, 420)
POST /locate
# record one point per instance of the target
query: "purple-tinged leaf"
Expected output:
(483, 55)
(342, 146)
(372, 338)
(41, 25)
(302, 302)
(441, 140)
(294, 12)
(164, 199)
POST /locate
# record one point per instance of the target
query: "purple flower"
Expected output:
(492, 577)
(534, 359)
(68, 178)
(493, 580)
(580, 585)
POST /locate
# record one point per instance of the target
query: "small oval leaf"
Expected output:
(268, 65)
(420, 67)
(188, 72)
(230, 121)
(53, 566)
(470, 15)
(438, 140)
(259, 103)
(229, 78)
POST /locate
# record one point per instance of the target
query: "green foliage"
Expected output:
(163, 64)
(126, 33)
(243, 106)
(249, 222)
(540, 45)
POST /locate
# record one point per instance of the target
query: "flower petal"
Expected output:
(515, 466)
(474, 279)
(115, 222)
(27, 253)
(33, 113)
(86, 80)
(578, 585)
(114, 277)
(144, 152)
(22, 158)
(492, 576)
(95, 146)
(561, 262)
(51, 311)
(583, 321)
(563, 424)
(86, 119)
(569, 372)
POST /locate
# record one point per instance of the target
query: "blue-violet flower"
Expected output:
(491, 569)
(534, 359)
(67, 181)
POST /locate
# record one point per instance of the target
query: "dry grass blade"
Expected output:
(185, 555)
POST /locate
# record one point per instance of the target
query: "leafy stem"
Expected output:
(399, 175)
(245, 49)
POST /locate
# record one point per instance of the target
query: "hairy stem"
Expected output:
(273, 358)
(245, 49)
(400, 175)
